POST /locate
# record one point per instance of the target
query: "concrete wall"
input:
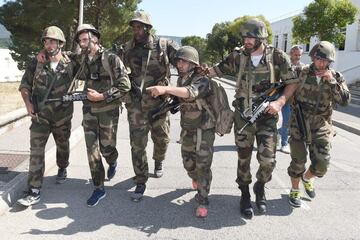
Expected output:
(8, 67)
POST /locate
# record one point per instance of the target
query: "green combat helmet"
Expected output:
(254, 28)
(323, 50)
(142, 17)
(53, 32)
(86, 28)
(188, 54)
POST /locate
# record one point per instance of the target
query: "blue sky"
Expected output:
(197, 17)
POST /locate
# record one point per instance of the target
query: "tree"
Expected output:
(199, 44)
(234, 28)
(217, 41)
(325, 19)
(26, 19)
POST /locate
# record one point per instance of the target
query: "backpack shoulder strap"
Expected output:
(163, 49)
(106, 64)
(163, 44)
(269, 57)
(242, 64)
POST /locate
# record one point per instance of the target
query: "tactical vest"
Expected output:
(315, 98)
(149, 64)
(252, 81)
(49, 84)
(193, 114)
(99, 76)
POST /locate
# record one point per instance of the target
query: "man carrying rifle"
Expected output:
(41, 82)
(148, 58)
(257, 67)
(197, 127)
(106, 81)
(320, 89)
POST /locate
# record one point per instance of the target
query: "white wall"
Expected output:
(347, 61)
(8, 67)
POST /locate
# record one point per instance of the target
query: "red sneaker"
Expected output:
(194, 184)
(201, 211)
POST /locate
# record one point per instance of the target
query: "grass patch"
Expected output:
(10, 97)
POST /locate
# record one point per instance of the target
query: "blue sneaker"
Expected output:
(139, 192)
(111, 170)
(96, 196)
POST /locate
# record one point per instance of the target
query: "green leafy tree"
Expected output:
(199, 44)
(325, 19)
(218, 42)
(234, 28)
(26, 19)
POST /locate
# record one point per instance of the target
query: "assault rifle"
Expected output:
(171, 104)
(260, 104)
(70, 97)
(302, 123)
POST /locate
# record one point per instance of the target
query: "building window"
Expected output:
(307, 47)
(276, 41)
(285, 42)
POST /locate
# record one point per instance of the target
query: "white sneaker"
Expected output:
(30, 199)
(285, 149)
(278, 143)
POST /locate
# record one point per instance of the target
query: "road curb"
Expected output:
(12, 116)
(14, 189)
(346, 127)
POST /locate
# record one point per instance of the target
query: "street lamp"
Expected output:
(81, 12)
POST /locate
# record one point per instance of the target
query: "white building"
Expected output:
(348, 59)
(8, 67)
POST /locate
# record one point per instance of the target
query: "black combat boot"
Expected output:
(245, 204)
(260, 197)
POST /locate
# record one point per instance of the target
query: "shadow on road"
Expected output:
(166, 211)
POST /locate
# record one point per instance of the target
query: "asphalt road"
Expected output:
(166, 212)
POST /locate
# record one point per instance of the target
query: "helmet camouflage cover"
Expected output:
(253, 28)
(323, 50)
(188, 53)
(87, 28)
(142, 17)
(53, 32)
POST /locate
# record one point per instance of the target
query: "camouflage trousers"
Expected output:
(197, 162)
(319, 148)
(100, 137)
(265, 133)
(139, 127)
(39, 135)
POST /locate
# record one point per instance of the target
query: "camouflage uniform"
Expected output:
(138, 107)
(317, 101)
(198, 134)
(52, 118)
(100, 119)
(252, 82)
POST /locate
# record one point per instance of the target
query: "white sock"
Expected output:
(35, 190)
(305, 179)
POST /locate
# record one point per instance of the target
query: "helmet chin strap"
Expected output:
(257, 44)
(54, 52)
(87, 50)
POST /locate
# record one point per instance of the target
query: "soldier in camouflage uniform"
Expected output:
(256, 66)
(40, 82)
(106, 81)
(148, 57)
(320, 89)
(197, 127)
